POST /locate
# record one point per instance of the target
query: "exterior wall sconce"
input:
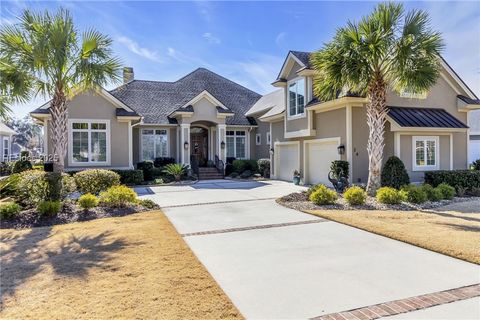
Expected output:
(222, 145)
(341, 149)
(272, 151)
(185, 145)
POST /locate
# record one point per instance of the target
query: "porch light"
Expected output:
(341, 149)
(185, 145)
(272, 151)
(222, 144)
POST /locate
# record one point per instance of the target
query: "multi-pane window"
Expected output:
(89, 142)
(425, 153)
(6, 148)
(236, 144)
(296, 97)
(154, 143)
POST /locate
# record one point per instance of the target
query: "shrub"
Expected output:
(264, 167)
(96, 180)
(9, 185)
(229, 169)
(467, 179)
(355, 195)
(433, 194)
(475, 192)
(340, 168)
(88, 201)
(49, 208)
(118, 196)
(447, 191)
(389, 195)
(476, 165)
(31, 187)
(313, 188)
(394, 173)
(130, 176)
(176, 170)
(147, 168)
(323, 195)
(9, 210)
(233, 175)
(163, 161)
(147, 203)
(246, 174)
(414, 194)
(230, 160)
(240, 166)
(23, 164)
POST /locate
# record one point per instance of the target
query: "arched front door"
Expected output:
(199, 145)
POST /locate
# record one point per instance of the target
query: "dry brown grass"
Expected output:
(455, 234)
(133, 267)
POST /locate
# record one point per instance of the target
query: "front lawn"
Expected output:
(454, 233)
(132, 267)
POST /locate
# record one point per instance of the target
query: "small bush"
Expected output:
(31, 187)
(88, 201)
(230, 160)
(147, 168)
(414, 194)
(355, 196)
(313, 188)
(96, 180)
(433, 194)
(130, 176)
(264, 167)
(394, 173)
(147, 203)
(389, 195)
(23, 164)
(49, 208)
(340, 168)
(176, 170)
(163, 161)
(323, 196)
(246, 174)
(9, 210)
(240, 166)
(229, 169)
(467, 179)
(475, 192)
(476, 165)
(118, 197)
(447, 191)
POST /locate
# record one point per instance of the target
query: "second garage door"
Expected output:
(286, 160)
(319, 155)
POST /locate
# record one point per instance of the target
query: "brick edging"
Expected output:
(405, 305)
(264, 226)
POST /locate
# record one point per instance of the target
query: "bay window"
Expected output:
(236, 144)
(89, 141)
(425, 153)
(296, 97)
(154, 143)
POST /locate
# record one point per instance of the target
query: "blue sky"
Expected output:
(243, 41)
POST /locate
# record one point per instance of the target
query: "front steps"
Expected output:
(205, 173)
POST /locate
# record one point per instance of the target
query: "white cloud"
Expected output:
(137, 49)
(280, 38)
(211, 38)
(186, 59)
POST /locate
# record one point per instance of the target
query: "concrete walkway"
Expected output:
(277, 263)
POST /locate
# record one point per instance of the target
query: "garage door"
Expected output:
(286, 160)
(319, 155)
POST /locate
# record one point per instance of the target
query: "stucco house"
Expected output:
(428, 132)
(6, 134)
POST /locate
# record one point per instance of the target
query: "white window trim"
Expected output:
(297, 115)
(235, 143)
(71, 162)
(416, 167)
(258, 139)
(6, 157)
(141, 145)
(269, 138)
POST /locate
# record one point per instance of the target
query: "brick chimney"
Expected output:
(127, 74)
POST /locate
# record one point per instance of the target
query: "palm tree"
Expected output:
(46, 48)
(387, 49)
(15, 85)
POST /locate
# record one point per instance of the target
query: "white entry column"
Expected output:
(221, 136)
(185, 141)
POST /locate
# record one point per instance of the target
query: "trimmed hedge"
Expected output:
(466, 179)
(130, 176)
(163, 161)
(239, 166)
(394, 173)
(95, 181)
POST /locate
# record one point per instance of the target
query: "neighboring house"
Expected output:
(427, 132)
(6, 134)
(474, 124)
(199, 116)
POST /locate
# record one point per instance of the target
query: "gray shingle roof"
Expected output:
(155, 100)
(304, 57)
(424, 118)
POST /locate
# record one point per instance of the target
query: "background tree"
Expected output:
(387, 49)
(46, 48)
(15, 87)
(29, 133)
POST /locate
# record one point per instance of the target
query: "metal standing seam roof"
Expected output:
(424, 118)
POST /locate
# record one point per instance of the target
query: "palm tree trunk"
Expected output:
(58, 129)
(376, 118)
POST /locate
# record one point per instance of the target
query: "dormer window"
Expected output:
(296, 97)
(413, 95)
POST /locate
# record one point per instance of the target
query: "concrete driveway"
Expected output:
(277, 263)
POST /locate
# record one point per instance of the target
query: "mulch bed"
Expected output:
(299, 201)
(70, 213)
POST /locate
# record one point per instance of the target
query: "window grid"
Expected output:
(296, 97)
(154, 143)
(425, 153)
(236, 144)
(89, 142)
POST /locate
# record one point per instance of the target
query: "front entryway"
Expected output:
(199, 149)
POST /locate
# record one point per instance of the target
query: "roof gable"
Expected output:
(300, 57)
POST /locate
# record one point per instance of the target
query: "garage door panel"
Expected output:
(319, 156)
(287, 161)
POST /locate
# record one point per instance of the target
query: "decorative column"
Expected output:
(221, 135)
(185, 143)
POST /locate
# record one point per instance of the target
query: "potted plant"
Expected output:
(296, 177)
